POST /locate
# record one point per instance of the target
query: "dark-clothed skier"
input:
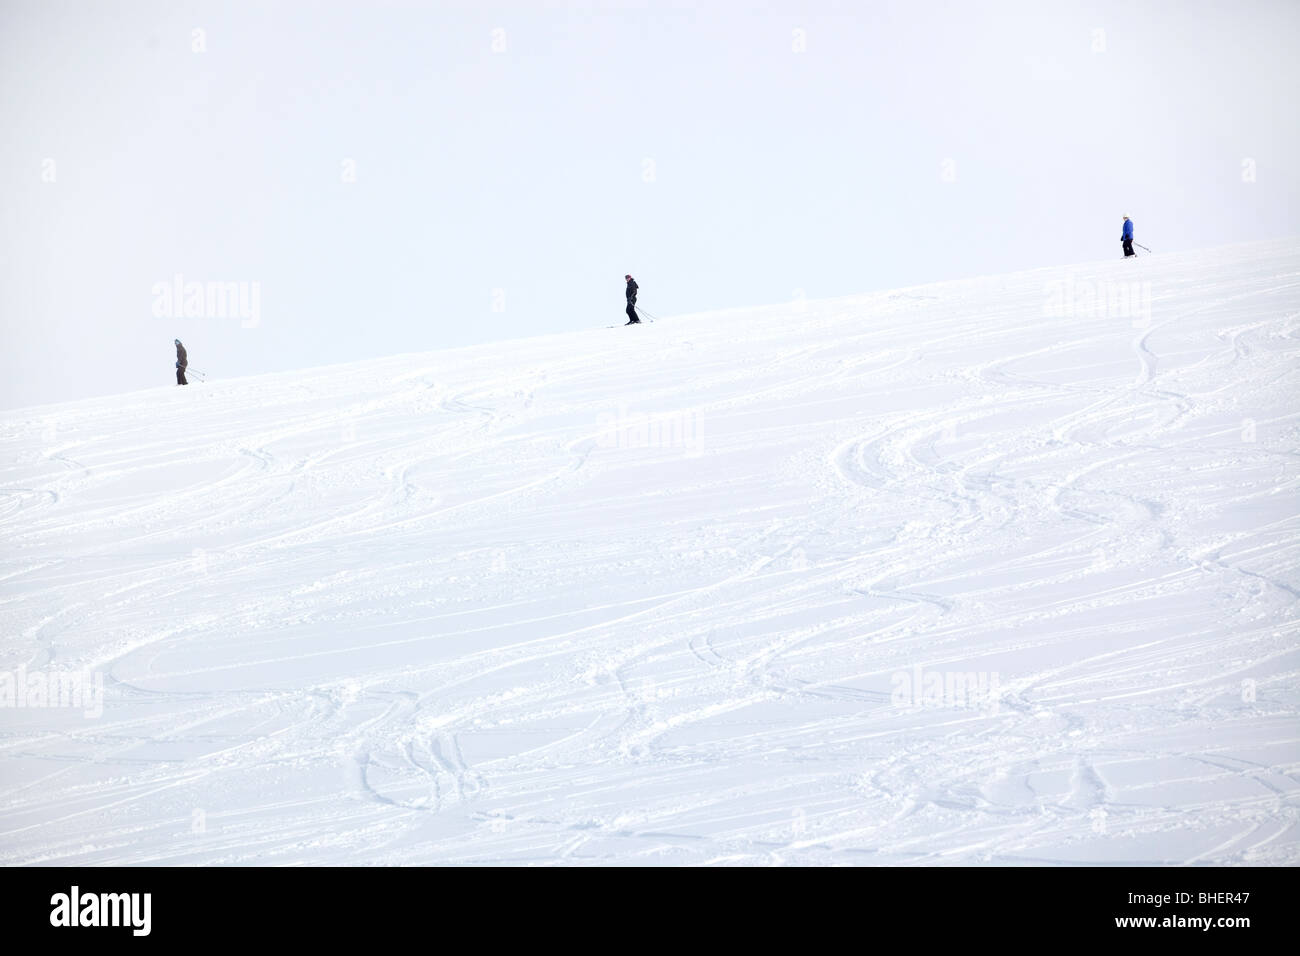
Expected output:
(182, 362)
(631, 302)
(1127, 238)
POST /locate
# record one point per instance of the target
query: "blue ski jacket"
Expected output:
(1128, 229)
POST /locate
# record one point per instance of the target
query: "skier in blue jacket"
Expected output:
(1127, 238)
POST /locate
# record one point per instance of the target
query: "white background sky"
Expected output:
(525, 170)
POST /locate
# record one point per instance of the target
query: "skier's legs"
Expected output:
(631, 312)
(1128, 248)
(180, 377)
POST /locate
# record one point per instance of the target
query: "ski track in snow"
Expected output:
(467, 607)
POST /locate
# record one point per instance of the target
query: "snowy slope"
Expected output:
(663, 594)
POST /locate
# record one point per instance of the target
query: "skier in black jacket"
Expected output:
(631, 302)
(182, 363)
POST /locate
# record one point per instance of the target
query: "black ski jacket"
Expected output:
(631, 290)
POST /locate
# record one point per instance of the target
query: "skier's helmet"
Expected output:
(627, 277)
(178, 341)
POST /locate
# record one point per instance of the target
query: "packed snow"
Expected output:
(1001, 570)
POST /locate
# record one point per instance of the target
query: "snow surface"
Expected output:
(656, 595)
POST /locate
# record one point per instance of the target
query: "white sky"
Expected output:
(526, 171)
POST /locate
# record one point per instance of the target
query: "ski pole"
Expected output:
(642, 311)
(1140, 246)
(193, 371)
